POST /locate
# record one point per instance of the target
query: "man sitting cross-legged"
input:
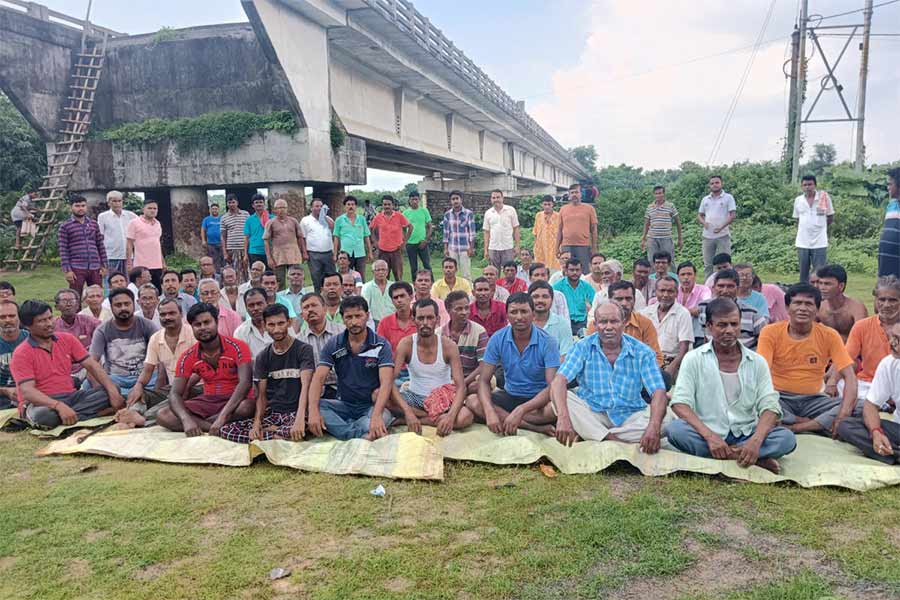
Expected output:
(470, 338)
(223, 364)
(42, 369)
(879, 438)
(362, 362)
(282, 372)
(163, 350)
(611, 369)
(798, 352)
(530, 357)
(436, 392)
(122, 341)
(726, 405)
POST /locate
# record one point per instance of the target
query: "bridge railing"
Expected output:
(409, 20)
(39, 11)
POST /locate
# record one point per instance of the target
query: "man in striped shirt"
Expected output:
(658, 220)
(81, 248)
(232, 231)
(459, 234)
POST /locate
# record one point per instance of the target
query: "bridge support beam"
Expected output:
(189, 207)
(294, 193)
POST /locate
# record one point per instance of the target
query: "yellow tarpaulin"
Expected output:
(58, 431)
(7, 415)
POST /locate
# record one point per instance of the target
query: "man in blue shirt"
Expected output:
(254, 228)
(611, 369)
(364, 367)
(211, 236)
(579, 294)
(530, 357)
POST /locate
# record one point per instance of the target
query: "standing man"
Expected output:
(546, 232)
(376, 291)
(716, 212)
(814, 213)
(143, 247)
(577, 227)
(81, 249)
(317, 245)
(672, 321)
(232, 231)
(579, 295)
(458, 226)
(282, 239)
(658, 220)
(417, 242)
(400, 323)
(889, 245)
(351, 235)
(501, 231)
(485, 311)
(391, 231)
(838, 310)
(11, 335)
(254, 229)
(450, 281)
(611, 369)
(725, 401)
(113, 224)
(42, 369)
(211, 235)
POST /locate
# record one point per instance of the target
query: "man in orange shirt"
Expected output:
(798, 352)
(637, 326)
(391, 230)
(577, 232)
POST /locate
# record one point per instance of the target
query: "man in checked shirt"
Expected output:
(81, 248)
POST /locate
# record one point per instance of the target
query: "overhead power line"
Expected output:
(850, 12)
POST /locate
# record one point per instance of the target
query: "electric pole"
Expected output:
(792, 99)
(861, 101)
(799, 92)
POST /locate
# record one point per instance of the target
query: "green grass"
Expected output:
(92, 527)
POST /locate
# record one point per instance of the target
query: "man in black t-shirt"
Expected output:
(282, 372)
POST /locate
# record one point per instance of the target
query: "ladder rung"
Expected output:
(81, 87)
(86, 55)
(81, 99)
(79, 133)
(76, 121)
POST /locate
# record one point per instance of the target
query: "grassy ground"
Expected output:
(91, 527)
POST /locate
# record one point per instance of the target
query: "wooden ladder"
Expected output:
(49, 207)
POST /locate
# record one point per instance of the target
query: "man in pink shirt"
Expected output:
(143, 247)
(210, 293)
(690, 295)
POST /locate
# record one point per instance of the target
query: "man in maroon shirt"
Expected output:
(486, 311)
(42, 369)
(400, 323)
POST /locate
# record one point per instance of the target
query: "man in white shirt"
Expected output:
(814, 213)
(317, 244)
(716, 212)
(112, 224)
(501, 231)
(673, 323)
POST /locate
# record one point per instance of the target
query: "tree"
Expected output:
(23, 156)
(587, 156)
(823, 156)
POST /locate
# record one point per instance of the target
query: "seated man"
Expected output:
(579, 295)
(436, 392)
(42, 369)
(486, 311)
(470, 338)
(11, 335)
(724, 399)
(879, 438)
(422, 288)
(540, 272)
(224, 365)
(209, 292)
(838, 310)
(721, 262)
(71, 321)
(92, 299)
(541, 294)
(690, 294)
(662, 266)
(510, 280)
(363, 365)
(672, 321)
(529, 357)
(189, 282)
(498, 292)
(171, 288)
(399, 323)
(316, 331)
(868, 342)
(450, 282)
(269, 282)
(122, 341)
(253, 331)
(376, 292)
(7, 291)
(745, 292)
(147, 299)
(726, 285)
(799, 351)
(282, 372)
(163, 350)
(611, 369)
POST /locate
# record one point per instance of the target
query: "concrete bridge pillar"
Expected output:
(189, 207)
(294, 193)
(96, 202)
(333, 196)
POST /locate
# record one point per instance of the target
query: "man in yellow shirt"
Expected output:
(450, 282)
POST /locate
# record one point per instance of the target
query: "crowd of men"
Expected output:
(553, 339)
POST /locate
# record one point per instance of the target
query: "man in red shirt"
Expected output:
(42, 369)
(510, 280)
(225, 366)
(400, 323)
(391, 230)
(486, 311)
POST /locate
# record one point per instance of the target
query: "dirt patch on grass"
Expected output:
(398, 585)
(95, 536)
(7, 563)
(217, 520)
(78, 569)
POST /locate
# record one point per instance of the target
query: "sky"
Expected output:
(647, 82)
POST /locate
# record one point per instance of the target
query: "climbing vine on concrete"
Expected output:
(219, 131)
(337, 135)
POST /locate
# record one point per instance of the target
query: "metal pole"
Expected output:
(792, 99)
(861, 102)
(87, 24)
(800, 92)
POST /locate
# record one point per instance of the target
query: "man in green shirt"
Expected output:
(417, 244)
(726, 404)
(351, 235)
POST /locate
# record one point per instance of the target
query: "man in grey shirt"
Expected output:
(716, 212)
(317, 330)
(122, 341)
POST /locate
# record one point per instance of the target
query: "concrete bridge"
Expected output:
(405, 97)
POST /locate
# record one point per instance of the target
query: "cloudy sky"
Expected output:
(648, 82)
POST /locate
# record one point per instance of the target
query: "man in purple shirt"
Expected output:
(81, 248)
(68, 304)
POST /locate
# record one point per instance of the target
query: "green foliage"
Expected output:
(23, 157)
(527, 208)
(338, 136)
(824, 155)
(217, 132)
(164, 34)
(586, 155)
